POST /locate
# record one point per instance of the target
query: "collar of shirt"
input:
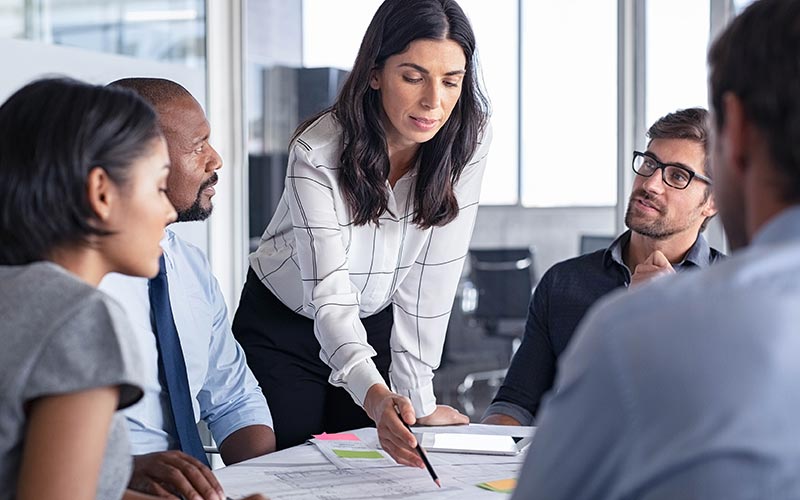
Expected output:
(698, 256)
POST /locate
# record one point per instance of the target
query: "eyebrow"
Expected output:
(676, 164)
(425, 71)
(200, 139)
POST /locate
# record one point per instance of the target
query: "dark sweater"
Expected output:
(561, 299)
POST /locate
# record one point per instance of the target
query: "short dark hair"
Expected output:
(53, 132)
(757, 58)
(690, 124)
(365, 160)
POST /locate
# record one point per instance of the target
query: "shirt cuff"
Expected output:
(360, 378)
(518, 413)
(422, 398)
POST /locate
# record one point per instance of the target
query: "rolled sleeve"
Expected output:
(230, 398)
(518, 413)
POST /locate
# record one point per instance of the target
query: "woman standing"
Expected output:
(363, 255)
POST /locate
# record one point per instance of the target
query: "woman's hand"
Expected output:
(444, 415)
(387, 409)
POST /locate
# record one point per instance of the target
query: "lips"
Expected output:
(648, 204)
(210, 183)
(424, 123)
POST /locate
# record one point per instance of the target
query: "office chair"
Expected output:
(502, 281)
(590, 243)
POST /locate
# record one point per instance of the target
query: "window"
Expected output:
(569, 103)
(327, 44)
(740, 5)
(676, 57)
(171, 31)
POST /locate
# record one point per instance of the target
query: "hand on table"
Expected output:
(655, 265)
(387, 408)
(168, 474)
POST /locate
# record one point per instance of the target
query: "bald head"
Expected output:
(156, 91)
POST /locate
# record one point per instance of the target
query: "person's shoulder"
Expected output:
(182, 251)
(190, 261)
(485, 136)
(47, 283)
(321, 136)
(579, 265)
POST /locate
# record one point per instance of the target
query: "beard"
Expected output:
(658, 229)
(663, 227)
(197, 212)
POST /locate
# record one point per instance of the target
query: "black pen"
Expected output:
(423, 456)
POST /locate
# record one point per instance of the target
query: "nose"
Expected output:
(654, 183)
(172, 215)
(214, 161)
(431, 96)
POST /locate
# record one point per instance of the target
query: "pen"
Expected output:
(424, 457)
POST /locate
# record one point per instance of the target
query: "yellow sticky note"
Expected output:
(500, 486)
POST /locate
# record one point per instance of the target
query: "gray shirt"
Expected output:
(687, 388)
(61, 335)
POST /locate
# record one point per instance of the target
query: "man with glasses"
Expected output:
(690, 389)
(669, 207)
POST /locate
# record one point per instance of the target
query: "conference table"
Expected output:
(305, 472)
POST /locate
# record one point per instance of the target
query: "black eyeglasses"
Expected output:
(677, 176)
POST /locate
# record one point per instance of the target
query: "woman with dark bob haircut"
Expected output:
(350, 290)
(83, 173)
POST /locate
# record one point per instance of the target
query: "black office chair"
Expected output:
(502, 281)
(591, 243)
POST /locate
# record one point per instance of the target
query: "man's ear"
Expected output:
(101, 194)
(711, 207)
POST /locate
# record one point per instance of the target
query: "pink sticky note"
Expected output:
(336, 437)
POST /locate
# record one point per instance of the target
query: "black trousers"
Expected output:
(283, 354)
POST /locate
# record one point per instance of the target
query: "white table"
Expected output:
(302, 472)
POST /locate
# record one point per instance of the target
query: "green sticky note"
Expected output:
(357, 454)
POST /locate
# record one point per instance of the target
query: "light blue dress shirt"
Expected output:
(688, 388)
(225, 394)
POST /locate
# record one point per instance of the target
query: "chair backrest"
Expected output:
(590, 243)
(503, 279)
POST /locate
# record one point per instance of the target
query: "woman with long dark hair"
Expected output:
(350, 290)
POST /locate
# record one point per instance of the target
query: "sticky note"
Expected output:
(500, 486)
(336, 437)
(358, 454)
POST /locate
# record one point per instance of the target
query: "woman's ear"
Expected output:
(374, 79)
(101, 193)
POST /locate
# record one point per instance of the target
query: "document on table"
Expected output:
(459, 481)
(353, 454)
(303, 472)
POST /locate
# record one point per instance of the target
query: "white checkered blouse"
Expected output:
(317, 262)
